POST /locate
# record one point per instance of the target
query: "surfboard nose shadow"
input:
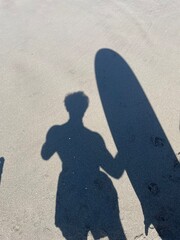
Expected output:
(143, 148)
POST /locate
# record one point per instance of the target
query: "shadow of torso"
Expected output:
(86, 198)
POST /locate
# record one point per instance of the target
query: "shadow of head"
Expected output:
(76, 105)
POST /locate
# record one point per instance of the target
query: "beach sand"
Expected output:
(49, 49)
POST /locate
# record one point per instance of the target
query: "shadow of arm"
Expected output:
(113, 166)
(49, 147)
(46, 151)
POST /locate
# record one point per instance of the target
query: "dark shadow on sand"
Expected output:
(2, 160)
(144, 150)
(86, 198)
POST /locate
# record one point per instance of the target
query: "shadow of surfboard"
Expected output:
(144, 150)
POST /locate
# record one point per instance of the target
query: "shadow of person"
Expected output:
(145, 152)
(86, 198)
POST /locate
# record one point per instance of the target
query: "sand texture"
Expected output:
(111, 170)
